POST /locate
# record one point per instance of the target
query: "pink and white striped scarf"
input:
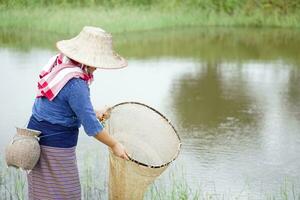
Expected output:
(57, 72)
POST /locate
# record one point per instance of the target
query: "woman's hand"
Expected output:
(119, 150)
(103, 114)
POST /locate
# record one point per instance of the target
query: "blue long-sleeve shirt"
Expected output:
(70, 108)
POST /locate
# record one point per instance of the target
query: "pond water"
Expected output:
(232, 94)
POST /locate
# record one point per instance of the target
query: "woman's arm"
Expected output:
(117, 148)
(79, 101)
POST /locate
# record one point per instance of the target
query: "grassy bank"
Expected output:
(68, 20)
(13, 186)
(41, 23)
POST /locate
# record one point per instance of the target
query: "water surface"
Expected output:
(232, 94)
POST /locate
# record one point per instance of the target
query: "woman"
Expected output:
(62, 105)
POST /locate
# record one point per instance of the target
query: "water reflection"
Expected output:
(209, 98)
(209, 44)
(293, 93)
(255, 130)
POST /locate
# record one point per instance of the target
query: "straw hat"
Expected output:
(92, 47)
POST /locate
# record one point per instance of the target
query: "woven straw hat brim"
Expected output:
(80, 53)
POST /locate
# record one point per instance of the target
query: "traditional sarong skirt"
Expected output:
(56, 175)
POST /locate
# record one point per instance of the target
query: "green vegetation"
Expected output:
(65, 17)
(41, 23)
(226, 6)
(13, 186)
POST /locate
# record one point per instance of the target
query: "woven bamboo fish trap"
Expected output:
(24, 150)
(152, 144)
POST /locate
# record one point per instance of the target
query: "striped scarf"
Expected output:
(57, 72)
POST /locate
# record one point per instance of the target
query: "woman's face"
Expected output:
(91, 69)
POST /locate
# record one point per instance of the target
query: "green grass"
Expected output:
(68, 20)
(13, 186)
(24, 28)
(12, 183)
(41, 25)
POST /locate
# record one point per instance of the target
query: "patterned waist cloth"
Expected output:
(55, 176)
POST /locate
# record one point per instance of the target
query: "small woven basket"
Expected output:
(24, 150)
